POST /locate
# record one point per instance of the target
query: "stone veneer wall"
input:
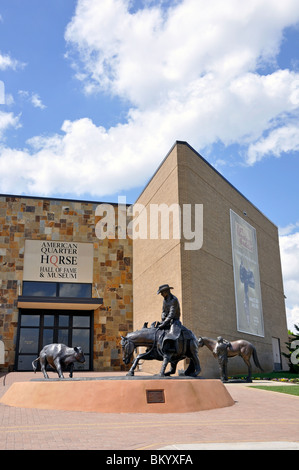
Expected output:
(49, 219)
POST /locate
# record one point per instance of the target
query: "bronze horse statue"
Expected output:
(152, 339)
(240, 347)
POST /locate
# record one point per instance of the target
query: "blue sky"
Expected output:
(97, 92)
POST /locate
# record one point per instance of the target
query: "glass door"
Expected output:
(28, 347)
(40, 327)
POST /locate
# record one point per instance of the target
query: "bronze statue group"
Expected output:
(169, 341)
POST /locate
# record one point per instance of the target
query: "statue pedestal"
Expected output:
(121, 395)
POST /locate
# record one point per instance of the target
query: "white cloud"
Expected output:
(8, 120)
(84, 158)
(36, 101)
(289, 249)
(187, 73)
(195, 66)
(142, 56)
(2, 92)
(293, 318)
(288, 229)
(6, 62)
(282, 140)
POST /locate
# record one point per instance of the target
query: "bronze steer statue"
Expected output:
(59, 356)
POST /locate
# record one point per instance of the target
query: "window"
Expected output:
(40, 327)
(67, 289)
(56, 289)
(39, 289)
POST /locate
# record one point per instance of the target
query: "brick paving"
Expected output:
(257, 416)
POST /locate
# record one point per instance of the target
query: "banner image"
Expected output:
(246, 277)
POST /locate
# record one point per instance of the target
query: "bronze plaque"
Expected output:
(155, 396)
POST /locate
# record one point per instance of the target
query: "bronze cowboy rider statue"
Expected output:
(168, 341)
(170, 318)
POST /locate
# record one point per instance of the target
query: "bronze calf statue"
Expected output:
(59, 356)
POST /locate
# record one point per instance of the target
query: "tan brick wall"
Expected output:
(156, 262)
(213, 299)
(44, 219)
(204, 278)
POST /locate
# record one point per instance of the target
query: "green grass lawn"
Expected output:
(271, 375)
(277, 375)
(290, 389)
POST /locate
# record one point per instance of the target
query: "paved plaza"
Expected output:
(259, 419)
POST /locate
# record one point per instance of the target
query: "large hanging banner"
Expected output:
(246, 277)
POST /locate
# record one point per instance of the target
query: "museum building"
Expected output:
(71, 274)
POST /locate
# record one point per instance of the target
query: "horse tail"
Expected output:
(256, 361)
(33, 365)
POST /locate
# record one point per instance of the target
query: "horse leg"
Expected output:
(190, 369)
(173, 365)
(166, 360)
(247, 362)
(194, 367)
(135, 363)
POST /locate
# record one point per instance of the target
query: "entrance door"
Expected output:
(40, 327)
(276, 353)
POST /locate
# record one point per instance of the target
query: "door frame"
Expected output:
(56, 328)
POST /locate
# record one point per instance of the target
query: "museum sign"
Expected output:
(58, 261)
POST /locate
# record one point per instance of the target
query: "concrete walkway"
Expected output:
(259, 419)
